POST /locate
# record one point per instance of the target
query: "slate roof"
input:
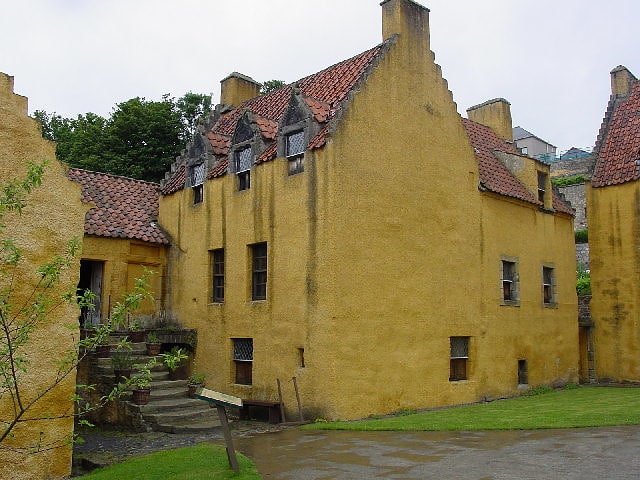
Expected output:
(618, 159)
(324, 93)
(124, 207)
(494, 175)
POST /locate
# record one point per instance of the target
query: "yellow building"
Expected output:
(121, 240)
(613, 206)
(53, 216)
(351, 230)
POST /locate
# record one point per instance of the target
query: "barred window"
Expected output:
(243, 360)
(243, 163)
(198, 174)
(217, 270)
(294, 150)
(459, 358)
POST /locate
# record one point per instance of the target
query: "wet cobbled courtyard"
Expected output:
(587, 453)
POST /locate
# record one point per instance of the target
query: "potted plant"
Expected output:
(122, 360)
(153, 344)
(175, 362)
(194, 382)
(136, 331)
(141, 383)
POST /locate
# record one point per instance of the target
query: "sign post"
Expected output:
(222, 400)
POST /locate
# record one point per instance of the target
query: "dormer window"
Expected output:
(243, 162)
(198, 173)
(294, 151)
(542, 186)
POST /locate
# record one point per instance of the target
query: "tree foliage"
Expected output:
(271, 85)
(140, 139)
(27, 306)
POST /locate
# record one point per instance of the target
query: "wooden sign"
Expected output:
(218, 398)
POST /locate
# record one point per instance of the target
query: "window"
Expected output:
(217, 270)
(523, 372)
(548, 286)
(301, 357)
(243, 360)
(542, 185)
(259, 271)
(294, 150)
(525, 150)
(243, 160)
(198, 174)
(459, 358)
(510, 294)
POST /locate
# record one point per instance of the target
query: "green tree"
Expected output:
(271, 85)
(140, 139)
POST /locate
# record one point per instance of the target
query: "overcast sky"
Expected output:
(550, 58)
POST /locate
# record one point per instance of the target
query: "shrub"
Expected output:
(582, 236)
(566, 181)
(583, 282)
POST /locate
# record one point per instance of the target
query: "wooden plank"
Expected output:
(231, 452)
(218, 398)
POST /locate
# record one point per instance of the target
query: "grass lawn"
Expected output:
(573, 407)
(204, 461)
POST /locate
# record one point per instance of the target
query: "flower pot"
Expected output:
(122, 374)
(192, 388)
(180, 373)
(103, 351)
(153, 349)
(140, 396)
(136, 336)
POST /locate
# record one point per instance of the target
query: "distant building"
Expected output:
(534, 146)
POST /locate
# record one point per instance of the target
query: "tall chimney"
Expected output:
(622, 81)
(237, 88)
(405, 18)
(495, 114)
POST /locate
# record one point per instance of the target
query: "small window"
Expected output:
(525, 150)
(259, 271)
(509, 282)
(243, 160)
(548, 285)
(542, 186)
(243, 360)
(217, 270)
(198, 174)
(301, 357)
(523, 372)
(294, 150)
(459, 358)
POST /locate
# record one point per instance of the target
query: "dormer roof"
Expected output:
(325, 93)
(618, 146)
(493, 174)
(124, 207)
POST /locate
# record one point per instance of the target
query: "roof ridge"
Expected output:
(137, 180)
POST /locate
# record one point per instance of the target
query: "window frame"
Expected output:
(514, 282)
(295, 160)
(243, 371)
(197, 177)
(259, 271)
(459, 358)
(549, 287)
(243, 174)
(217, 257)
(543, 178)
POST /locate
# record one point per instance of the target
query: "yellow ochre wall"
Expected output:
(124, 261)
(614, 244)
(377, 254)
(54, 215)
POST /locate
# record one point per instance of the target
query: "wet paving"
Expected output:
(588, 453)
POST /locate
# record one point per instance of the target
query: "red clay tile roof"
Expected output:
(324, 92)
(618, 159)
(124, 207)
(494, 175)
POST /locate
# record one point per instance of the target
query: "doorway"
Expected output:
(91, 273)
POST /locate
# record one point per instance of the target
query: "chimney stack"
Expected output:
(406, 19)
(237, 88)
(495, 114)
(622, 81)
